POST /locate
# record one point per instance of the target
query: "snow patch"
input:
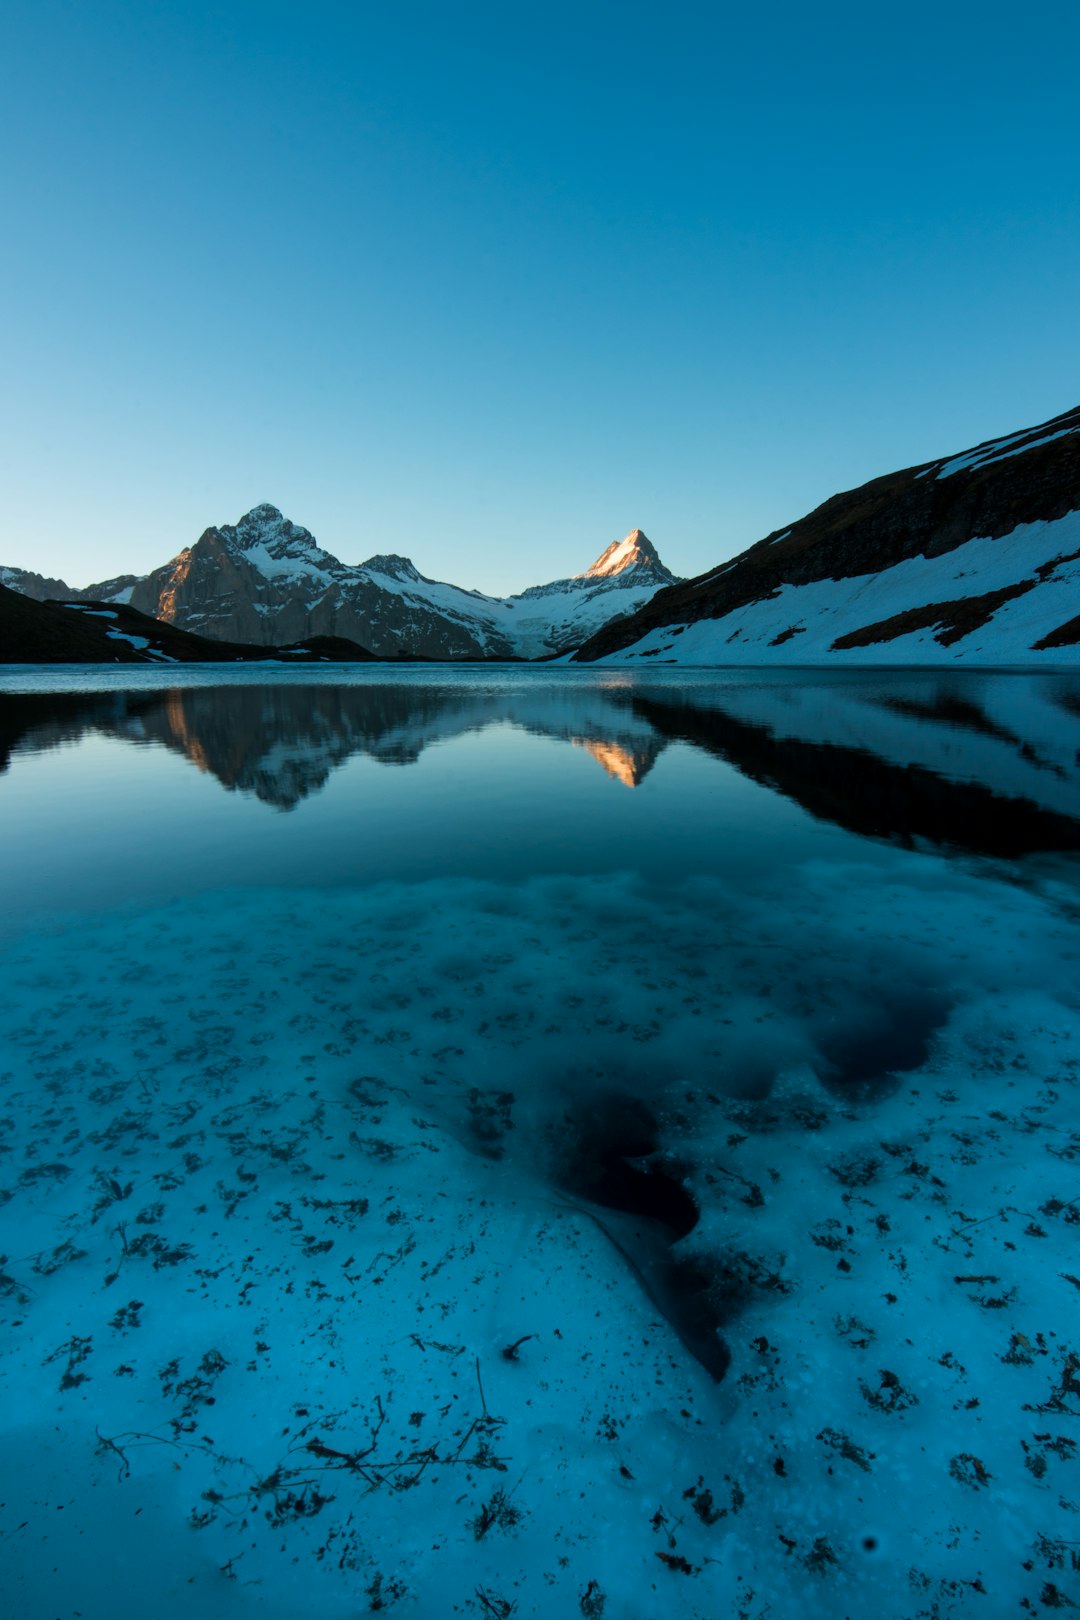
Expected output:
(999, 450)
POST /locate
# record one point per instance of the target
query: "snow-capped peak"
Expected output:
(266, 580)
(392, 566)
(265, 526)
(636, 549)
(274, 544)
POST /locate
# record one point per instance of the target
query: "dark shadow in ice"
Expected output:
(878, 1042)
(606, 1163)
(607, 1142)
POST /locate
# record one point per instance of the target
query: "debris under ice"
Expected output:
(556, 1247)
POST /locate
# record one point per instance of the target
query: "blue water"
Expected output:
(719, 1010)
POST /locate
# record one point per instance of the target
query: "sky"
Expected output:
(490, 285)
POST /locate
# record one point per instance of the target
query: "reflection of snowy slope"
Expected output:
(969, 803)
(1018, 738)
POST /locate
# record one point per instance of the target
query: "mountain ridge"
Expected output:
(89, 632)
(975, 555)
(971, 557)
(266, 580)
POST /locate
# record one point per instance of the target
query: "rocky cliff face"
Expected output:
(266, 580)
(975, 556)
(37, 586)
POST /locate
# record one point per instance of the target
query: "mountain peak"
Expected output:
(635, 551)
(393, 566)
(263, 513)
(273, 543)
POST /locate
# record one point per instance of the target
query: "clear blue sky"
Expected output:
(492, 284)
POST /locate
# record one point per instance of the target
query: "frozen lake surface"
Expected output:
(539, 1143)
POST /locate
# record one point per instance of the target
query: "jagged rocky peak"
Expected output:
(38, 586)
(635, 551)
(266, 535)
(263, 513)
(393, 566)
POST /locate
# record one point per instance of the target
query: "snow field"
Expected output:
(280, 1195)
(819, 613)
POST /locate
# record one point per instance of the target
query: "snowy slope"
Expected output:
(988, 602)
(974, 558)
(552, 618)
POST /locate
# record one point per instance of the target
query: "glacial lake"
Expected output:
(539, 1142)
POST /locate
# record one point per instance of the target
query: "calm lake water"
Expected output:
(539, 1142)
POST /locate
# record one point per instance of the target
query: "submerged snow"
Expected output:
(302, 1315)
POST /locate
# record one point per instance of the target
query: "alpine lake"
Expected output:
(539, 1142)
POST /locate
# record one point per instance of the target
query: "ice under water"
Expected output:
(539, 1142)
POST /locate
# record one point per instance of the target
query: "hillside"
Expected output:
(974, 557)
(33, 632)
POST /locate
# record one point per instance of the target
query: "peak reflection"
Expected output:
(979, 762)
(630, 766)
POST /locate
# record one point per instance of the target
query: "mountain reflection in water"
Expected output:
(984, 763)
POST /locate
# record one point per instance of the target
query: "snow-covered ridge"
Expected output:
(41, 588)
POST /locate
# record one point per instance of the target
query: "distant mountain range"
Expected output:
(974, 558)
(266, 581)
